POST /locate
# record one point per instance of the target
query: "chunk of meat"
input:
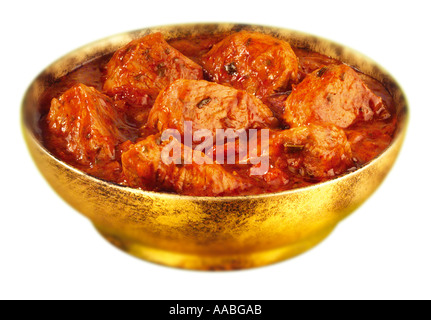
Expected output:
(145, 167)
(85, 126)
(138, 71)
(255, 62)
(208, 106)
(313, 151)
(333, 95)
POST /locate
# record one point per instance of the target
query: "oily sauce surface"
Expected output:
(367, 139)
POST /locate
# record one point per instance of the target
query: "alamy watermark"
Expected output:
(227, 146)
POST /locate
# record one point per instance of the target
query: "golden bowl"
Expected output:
(210, 233)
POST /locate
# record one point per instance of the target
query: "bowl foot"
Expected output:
(214, 262)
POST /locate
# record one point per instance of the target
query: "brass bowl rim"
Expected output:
(402, 122)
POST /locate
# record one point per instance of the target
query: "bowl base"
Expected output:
(214, 262)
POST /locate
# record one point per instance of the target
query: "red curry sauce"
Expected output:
(299, 156)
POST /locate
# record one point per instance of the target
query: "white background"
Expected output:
(49, 251)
